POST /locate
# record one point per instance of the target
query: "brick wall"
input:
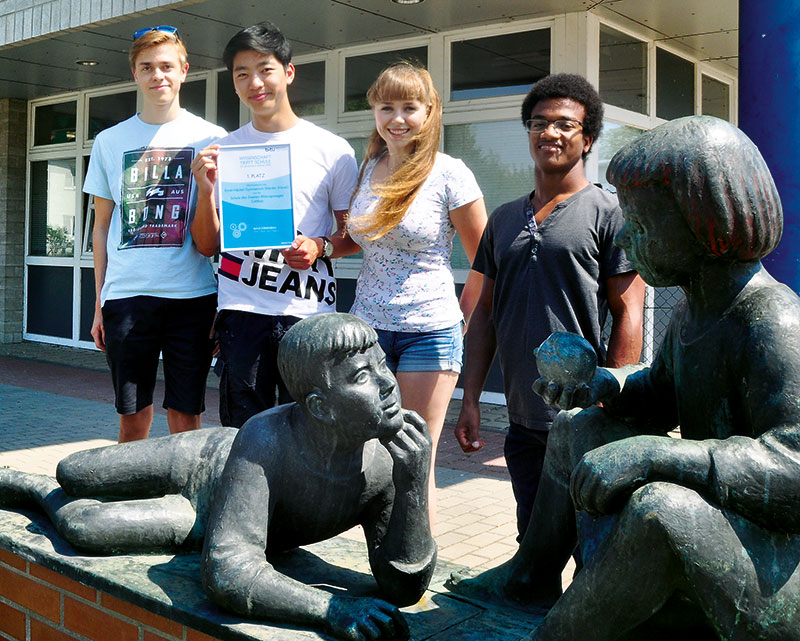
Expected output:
(37, 604)
(13, 124)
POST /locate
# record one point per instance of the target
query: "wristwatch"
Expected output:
(327, 247)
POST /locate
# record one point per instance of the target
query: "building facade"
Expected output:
(66, 78)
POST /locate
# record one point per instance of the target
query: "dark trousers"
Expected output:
(524, 450)
(249, 381)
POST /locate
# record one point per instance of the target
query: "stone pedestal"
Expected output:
(48, 588)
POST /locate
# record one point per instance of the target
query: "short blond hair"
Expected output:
(155, 38)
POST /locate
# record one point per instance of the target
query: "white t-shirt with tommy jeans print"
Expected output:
(324, 174)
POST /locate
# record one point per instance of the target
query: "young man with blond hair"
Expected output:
(155, 292)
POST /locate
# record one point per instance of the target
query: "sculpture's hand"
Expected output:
(606, 477)
(566, 397)
(365, 619)
(410, 449)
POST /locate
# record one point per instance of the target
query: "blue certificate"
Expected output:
(255, 197)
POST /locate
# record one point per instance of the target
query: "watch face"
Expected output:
(327, 247)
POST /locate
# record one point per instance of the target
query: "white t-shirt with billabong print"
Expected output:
(146, 170)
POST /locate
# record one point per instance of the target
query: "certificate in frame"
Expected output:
(255, 197)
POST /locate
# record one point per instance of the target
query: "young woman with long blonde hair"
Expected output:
(409, 203)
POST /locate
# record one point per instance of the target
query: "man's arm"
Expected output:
(626, 303)
(402, 552)
(238, 577)
(103, 209)
(481, 348)
(305, 250)
(205, 223)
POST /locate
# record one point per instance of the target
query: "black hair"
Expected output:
(574, 87)
(263, 37)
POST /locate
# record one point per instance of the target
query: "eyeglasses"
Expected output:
(563, 125)
(164, 27)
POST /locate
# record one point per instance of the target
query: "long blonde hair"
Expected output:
(401, 81)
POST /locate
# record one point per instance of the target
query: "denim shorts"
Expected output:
(433, 351)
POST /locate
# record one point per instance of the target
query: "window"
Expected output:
(359, 145)
(498, 155)
(108, 110)
(52, 208)
(227, 102)
(623, 70)
(55, 123)
(87, 202)
(307, 92)
(360, 72)
(613, 138)
(193, 97)
(674, 86)
(716, 98)
(499, 65)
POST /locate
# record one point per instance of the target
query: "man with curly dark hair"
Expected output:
(577, 89)
(549, 265)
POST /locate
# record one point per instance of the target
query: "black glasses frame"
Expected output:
(529, 126)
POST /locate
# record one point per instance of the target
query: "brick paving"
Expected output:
(56, 400)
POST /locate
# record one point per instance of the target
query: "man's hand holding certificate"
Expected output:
(255, 197)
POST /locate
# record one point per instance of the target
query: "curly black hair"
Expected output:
(574, 87)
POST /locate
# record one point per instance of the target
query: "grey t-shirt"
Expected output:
(551, 281)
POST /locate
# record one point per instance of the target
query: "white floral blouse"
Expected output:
(406, 283)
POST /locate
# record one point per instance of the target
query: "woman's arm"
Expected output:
(470, 221)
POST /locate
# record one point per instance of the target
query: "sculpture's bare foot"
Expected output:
(507, 584)
(21, 489)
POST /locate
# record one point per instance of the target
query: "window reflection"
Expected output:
(107, 111)
(716, 98)
(360, 72)
(227, 102)
(623, 70)
(88, 215)
(52, 207)
(499, 65)
(54, 124)
(498, 155)
(193, 97)
(674, 86)
(612, 138)
(307, 92)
